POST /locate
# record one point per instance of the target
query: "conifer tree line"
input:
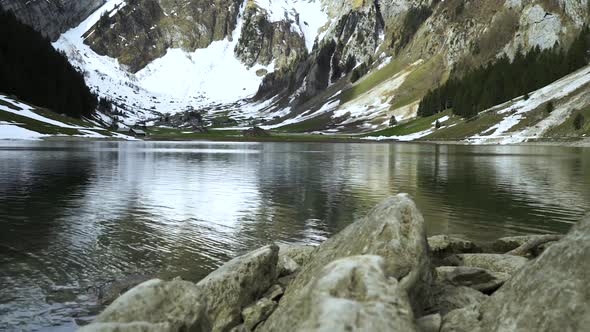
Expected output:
(32, 70)
(502, 80)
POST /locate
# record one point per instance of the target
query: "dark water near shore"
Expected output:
(73, 215)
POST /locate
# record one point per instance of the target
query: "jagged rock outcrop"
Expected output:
(52, 17)
(143, 30)
(265, 42)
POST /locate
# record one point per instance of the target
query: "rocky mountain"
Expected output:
(303, 65)
(52, 17)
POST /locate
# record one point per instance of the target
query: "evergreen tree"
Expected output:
(549, 107)
(502, 80)
(579, 121)
(32, 70)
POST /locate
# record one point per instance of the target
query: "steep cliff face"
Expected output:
(52, 17)
(265, 42)
(143, 30)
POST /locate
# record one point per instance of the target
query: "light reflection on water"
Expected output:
(75, 214)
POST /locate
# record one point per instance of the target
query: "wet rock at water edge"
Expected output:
(492, 262)
(442, 246)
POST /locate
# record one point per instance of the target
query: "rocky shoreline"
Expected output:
(381, 273)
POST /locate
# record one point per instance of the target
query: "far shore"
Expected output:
(314, 138)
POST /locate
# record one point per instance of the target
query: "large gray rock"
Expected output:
(550, 293)
(492, 262)
(213, 304)
(479, 279)
(155, 305)
(393, 230)
(237, 284)
(442, 246)
(350, 294)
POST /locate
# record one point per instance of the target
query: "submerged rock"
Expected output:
(394, 230)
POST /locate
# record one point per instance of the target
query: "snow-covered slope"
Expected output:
(569, 93)
(182, 80)
(19, 121)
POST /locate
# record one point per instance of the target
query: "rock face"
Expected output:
(52, 17)
(549, 294)
(394, 230)
(263, 41)
(144, 30)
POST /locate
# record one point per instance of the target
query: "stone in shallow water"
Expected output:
(394, 231)
(442, 246)
(492, 262)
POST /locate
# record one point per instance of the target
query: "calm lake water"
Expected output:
(73, 215)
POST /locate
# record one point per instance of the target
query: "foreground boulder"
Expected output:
(213, 304)
(550, 293)
(394, 230)
(352, 294)
(155, 305)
